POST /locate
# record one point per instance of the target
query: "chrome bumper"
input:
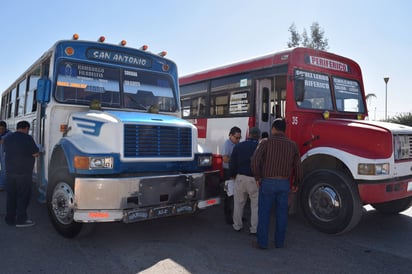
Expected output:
(139, 198)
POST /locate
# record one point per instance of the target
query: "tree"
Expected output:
(294, 37)
(316, 40)
(403, 119)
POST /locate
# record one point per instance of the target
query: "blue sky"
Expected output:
(203, 34)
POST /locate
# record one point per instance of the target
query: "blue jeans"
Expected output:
(273, 191)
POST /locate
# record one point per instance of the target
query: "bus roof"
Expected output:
(260, 62)
(48, 53)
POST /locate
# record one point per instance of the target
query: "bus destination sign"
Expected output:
(327, 63)
(119, 57)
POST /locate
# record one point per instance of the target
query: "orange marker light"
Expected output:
(75, 36)
(123, 43)
(144, 47)
(162, 53)
(63, 128)
(165, 67)
(101, 39)
(69, 51)
(81, 162)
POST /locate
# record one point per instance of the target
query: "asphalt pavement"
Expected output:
(204, 243)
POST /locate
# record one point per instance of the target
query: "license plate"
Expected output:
(162, 211)
(410, 186)
(136, 215)
(186, 208)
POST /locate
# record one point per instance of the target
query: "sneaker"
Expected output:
(27, 223)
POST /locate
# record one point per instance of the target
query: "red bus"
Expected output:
(348, 160)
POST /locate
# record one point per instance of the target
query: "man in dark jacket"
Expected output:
(245, 183)
(21, 151)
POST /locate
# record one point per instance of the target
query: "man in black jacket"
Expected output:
(21, 151)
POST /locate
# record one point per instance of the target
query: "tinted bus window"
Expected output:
(194, 88)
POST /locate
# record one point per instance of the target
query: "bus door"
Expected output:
(265, 107)
(270, 101)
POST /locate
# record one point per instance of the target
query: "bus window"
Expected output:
(316, 93)
(31, 94)
(278, 107)
(194, 99)
(12, 103)
(194, 88)
(194, 107)
(265, 104)
(20, 100)
(186, 107)
(81, 84)
(3, 105)
(143, 90)
(348, 95)
(230, 83)
(219, 104)
(198, 106)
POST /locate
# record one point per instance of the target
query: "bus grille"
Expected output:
(157, 141)
(402, 147)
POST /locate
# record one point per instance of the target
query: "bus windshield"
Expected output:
(313, 91)
(348, 95)
(81, 84)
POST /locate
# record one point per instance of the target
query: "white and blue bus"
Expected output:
(114, 146)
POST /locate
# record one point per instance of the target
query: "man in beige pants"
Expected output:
(245, 184)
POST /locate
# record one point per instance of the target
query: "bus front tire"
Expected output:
(60, 203)
(330, 201)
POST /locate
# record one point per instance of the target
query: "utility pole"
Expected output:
(386, 79)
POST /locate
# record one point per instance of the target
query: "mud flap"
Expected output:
(212, 184)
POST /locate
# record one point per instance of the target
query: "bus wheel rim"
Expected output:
(324, 203)
(63, 203)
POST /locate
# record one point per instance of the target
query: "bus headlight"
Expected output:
(373, 169)
(94, 162)
(205, 160)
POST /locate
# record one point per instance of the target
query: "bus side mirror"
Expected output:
(299, 90)
(43, 90)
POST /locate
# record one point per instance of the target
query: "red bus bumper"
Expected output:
(385, 191)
